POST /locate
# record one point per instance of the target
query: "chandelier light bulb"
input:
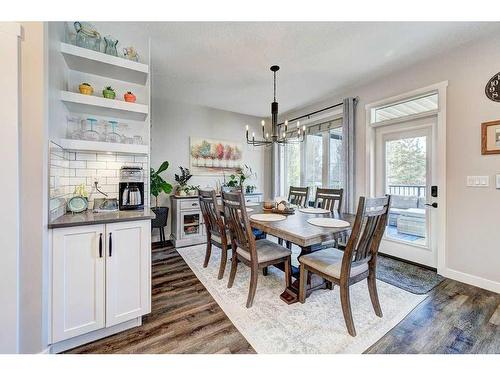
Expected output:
(298, 124)
(263, 123)
(267, 135)
(253, 134)
(246, 126)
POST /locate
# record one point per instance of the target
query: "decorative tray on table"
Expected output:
(286, 211)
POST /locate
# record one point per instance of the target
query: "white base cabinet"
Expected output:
(101, 277)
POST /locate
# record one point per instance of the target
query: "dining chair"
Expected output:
(257, 254)
(357, 262)
(329, 199)
(216, 230)
(298, 196)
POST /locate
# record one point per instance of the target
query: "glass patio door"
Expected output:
(404, 169)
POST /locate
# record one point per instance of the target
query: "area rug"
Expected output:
(273, 327)
(407, 276)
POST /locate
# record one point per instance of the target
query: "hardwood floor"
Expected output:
(455, 318)
(184, 317)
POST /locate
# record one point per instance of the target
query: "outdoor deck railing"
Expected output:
(408, 190)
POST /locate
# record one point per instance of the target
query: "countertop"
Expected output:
(89, 217)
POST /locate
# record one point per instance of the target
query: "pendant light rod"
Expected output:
(312, 113)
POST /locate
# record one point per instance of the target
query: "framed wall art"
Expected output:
(490, 137)
(214, 156)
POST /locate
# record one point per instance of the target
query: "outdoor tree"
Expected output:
(406, 161)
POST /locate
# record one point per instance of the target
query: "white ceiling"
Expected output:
(226, 65)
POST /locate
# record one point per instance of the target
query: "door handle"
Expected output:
(110, 244)
(433, 204)
(100, 245)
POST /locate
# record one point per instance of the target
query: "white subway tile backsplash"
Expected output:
(124, 158)
(106, 157)
(112, 180)
(85, 172)
(86, 156)
(77, 180)
(114, 164)
(77, 164)
(69, 169)
(107, 172)
(97, 164)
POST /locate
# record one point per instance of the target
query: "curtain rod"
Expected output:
(312, 113)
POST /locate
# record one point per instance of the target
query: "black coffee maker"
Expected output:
(131, 189)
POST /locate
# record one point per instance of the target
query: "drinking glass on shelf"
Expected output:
(91, 134)
(137, 140)
(74, 129)
(113, 136)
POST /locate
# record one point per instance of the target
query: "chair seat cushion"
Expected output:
(266, 251)
(216, 238)
(329, 262)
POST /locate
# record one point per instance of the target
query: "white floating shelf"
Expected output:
(80, 103)
(119, 148)
(101, 64)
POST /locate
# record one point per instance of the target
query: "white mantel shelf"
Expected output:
(79, 103)
(98, 63)
(119, 148)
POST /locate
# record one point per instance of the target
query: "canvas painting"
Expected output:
(213, 156)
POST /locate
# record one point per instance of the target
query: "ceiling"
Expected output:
(226, 65)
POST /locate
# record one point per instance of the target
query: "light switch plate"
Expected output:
(498, 181)
(479, 181)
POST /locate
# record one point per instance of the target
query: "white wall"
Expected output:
(9, 154)
(33, 179)
(172, 125)
(472, 214)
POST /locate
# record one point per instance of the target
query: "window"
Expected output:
(291, 165)
(317, 162)
(414, 106)
(314, 162)
(336, 175)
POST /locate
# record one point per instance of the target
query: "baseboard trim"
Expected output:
(466, 278)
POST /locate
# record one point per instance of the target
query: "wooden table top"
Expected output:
(296, 229)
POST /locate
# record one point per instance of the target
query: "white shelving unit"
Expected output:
(104, 107)
(88, 61)
(119, 148)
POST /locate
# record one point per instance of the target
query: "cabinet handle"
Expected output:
(110, 244)
(100, 245)
(194, 204)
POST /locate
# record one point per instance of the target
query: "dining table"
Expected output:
(295, 229)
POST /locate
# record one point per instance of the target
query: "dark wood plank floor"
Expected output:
(184, 317)
(455, 318)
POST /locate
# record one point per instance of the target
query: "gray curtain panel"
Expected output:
(348, 132)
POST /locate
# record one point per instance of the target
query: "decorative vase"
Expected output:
(129, 97)
(85, 89)
(181, 193)
(108, 94)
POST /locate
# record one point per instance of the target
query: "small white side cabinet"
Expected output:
(101, 276)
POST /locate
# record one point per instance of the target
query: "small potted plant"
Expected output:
(109, 93)
(85, 89)
(182, 180)
(157, 186)
(193, 189)
(129, 97)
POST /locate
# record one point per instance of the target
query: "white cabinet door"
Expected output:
(77, 281)
(128, 271)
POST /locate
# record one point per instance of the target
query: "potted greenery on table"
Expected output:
(182, 180)
(157, 186)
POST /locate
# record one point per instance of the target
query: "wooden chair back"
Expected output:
(329, 199)
(236, 217)
(214, 223)
(367, 232)
(298, 196)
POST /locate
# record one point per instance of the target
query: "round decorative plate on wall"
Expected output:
(492, 88)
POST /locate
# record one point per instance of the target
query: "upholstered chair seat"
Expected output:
(266, 251)
(329, 262)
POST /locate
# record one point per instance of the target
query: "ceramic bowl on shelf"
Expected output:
(86, 89)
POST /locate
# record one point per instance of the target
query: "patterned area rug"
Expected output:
(271, 326)
(407, 276)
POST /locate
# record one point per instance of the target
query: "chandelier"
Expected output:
(279, 132)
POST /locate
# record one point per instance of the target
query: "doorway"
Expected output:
(405, 166)
(406, 158)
